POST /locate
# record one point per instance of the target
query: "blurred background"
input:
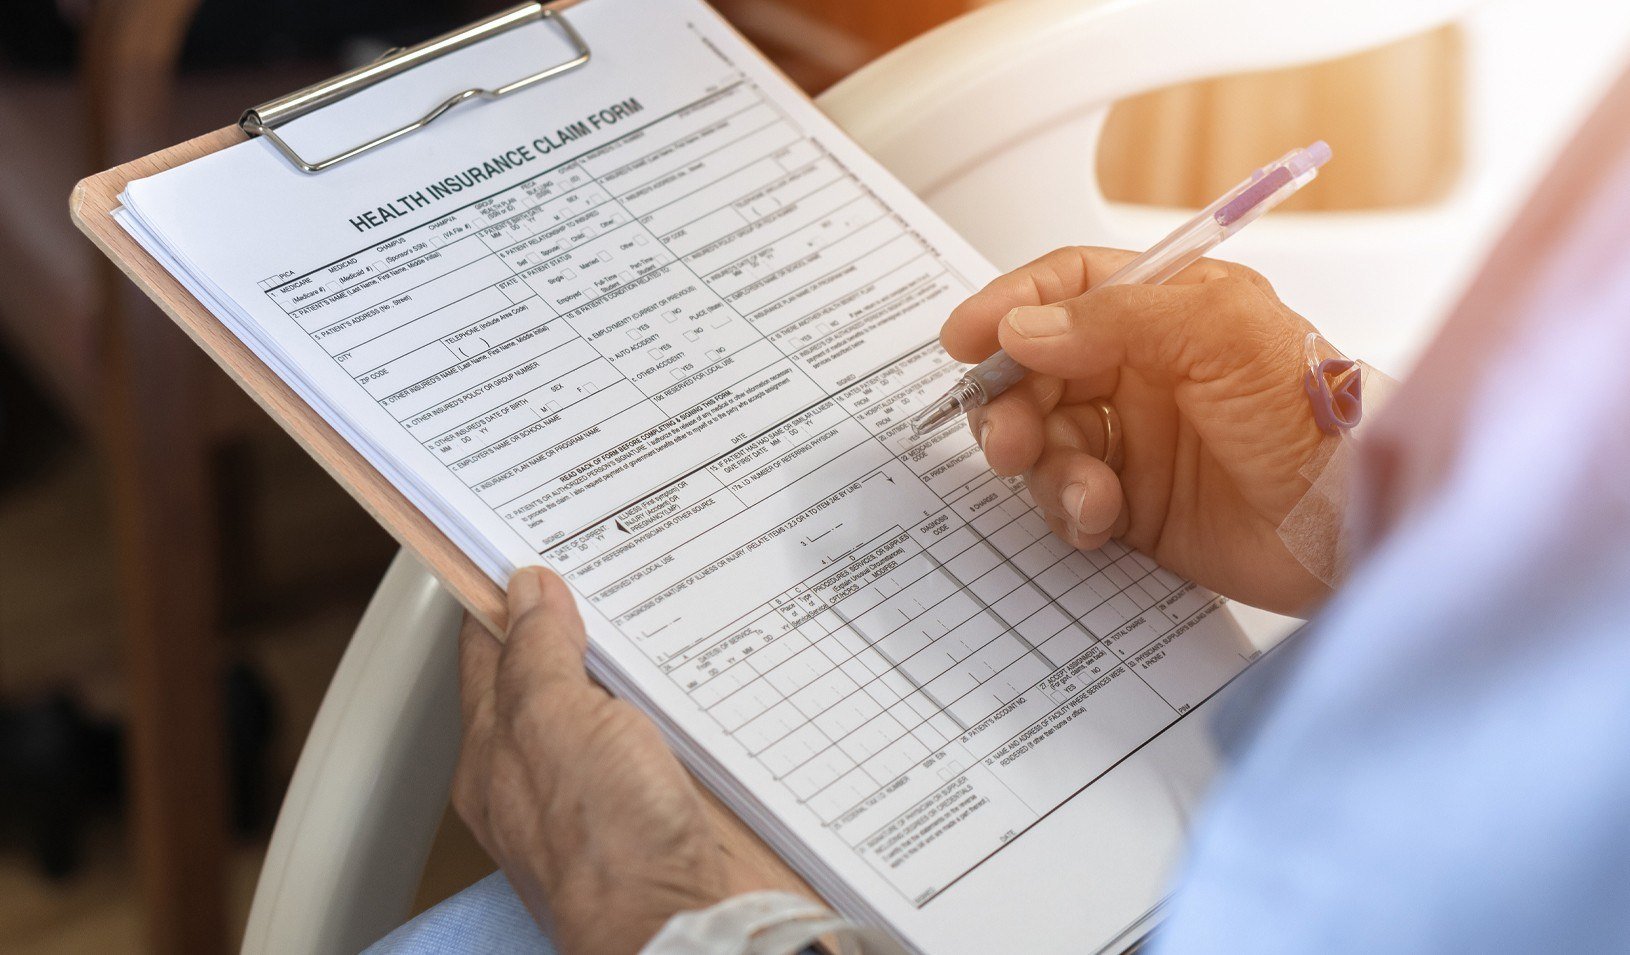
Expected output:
(178, 581)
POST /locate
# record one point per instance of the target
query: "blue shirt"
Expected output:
(1443, 762)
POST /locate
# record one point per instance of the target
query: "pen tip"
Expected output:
(935, 416)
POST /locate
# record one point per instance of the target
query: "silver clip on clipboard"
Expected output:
(265, 119)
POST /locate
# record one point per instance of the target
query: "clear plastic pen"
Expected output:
(1241, 205)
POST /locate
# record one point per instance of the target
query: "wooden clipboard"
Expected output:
(91, 206)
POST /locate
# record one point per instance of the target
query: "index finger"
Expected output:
(969, 334)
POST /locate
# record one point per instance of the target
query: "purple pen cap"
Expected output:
(1312, 157)
(1300, 163)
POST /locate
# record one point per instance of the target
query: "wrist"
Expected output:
(596, 911)
(765, 923)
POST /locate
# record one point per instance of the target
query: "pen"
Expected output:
(1237, 208)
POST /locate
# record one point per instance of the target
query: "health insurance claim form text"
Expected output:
(671, 355)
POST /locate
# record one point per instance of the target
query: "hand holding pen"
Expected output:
(1237, 208)
(1198, 382)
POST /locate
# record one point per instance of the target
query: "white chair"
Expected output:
(984, 118)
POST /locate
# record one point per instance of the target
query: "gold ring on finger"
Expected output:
(1114, 450)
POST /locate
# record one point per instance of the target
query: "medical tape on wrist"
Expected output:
(764, 923)
(1314, 531)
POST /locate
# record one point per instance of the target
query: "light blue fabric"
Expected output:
(1443, 764)
(485, 919)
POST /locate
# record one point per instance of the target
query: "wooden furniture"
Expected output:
(1184, 144)
(1394, 115)
(157, 439)
(159, 414)
(819, 42)
(156, 436)
(120, 370)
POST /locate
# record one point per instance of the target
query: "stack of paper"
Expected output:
(658, 325)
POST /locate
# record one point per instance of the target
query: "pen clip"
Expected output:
(1211, 211)
(1272, 185)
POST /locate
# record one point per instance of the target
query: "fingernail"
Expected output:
(525, 589)
(1039, 321)
(984, 435)
(1074, 499)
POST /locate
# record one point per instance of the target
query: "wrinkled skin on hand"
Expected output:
(1205, 372)
(598, 827)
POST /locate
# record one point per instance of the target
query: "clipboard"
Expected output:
(91, 207)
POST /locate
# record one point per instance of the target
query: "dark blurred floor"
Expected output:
(58, 634)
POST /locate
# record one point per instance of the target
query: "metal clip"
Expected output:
(264, 120)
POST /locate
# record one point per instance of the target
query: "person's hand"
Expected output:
(1205, 372)
(575, 795)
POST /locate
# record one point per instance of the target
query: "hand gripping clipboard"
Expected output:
(96, 197)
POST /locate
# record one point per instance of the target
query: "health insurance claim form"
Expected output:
(664, 337)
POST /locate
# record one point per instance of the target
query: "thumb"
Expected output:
(546, 642)
(1199, 331)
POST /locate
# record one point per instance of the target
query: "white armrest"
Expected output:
(372, 781)
(1086, 55)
